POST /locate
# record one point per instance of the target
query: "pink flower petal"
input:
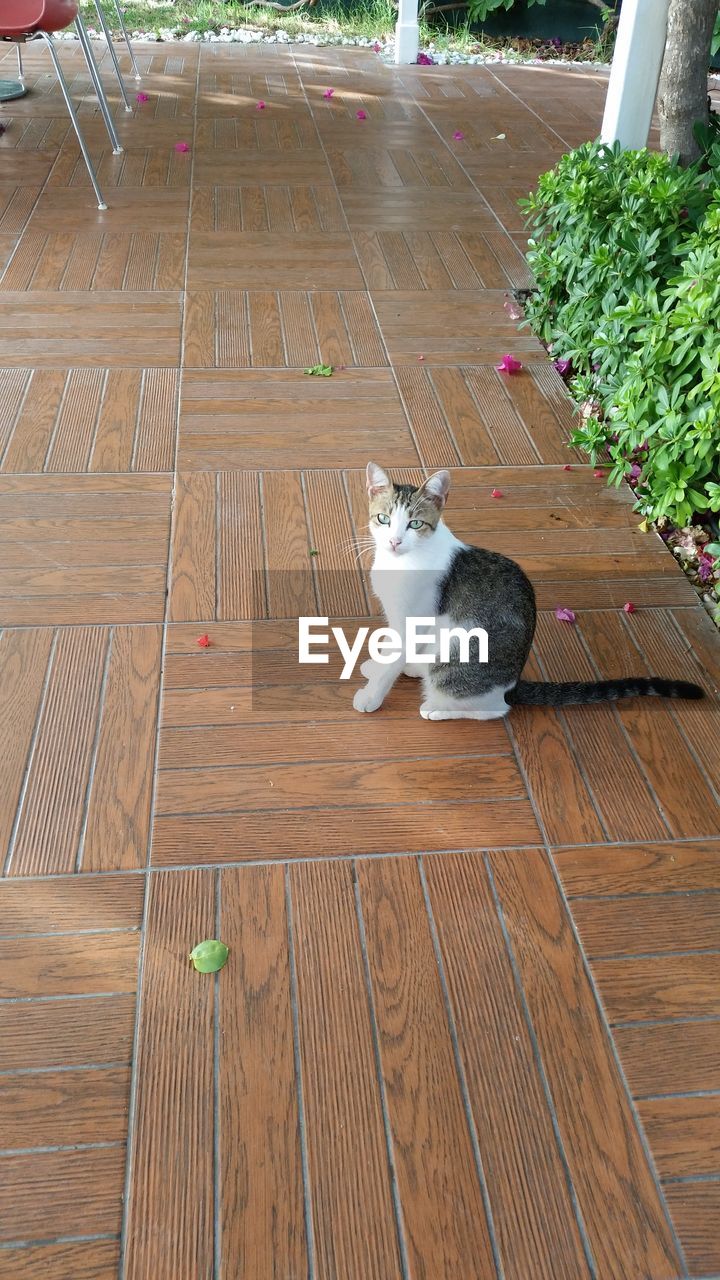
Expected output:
(567, 467)
(496, 493)
(629, 607)
(599, 475)
(142, 97)
(509, 364)
(421, 358)
(425, 60)
(328, 93)
(182, 146)
(458, 135)
(512, 308)
(260, 106)
(361, 115)
(564, 615)
(377, 47)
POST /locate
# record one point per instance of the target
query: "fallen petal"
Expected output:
(509, 364)
(421, 358)
(567, 467)
(182, 146)
(563, 367)
(564, 615)
(328, 93)
(499, 137)
(361, 115)
(204, 642)
(496, 493)
(599, 475)
(629, 607)
(142, 97)
(260, 106)
(458, 135)
(514, 311)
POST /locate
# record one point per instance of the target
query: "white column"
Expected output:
(407, 32)
(635, 72)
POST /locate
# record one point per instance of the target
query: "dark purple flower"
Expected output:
(684, 212)
(705, 567)
(635, 471)
(564, 367)
(424, 60)
(556, 42)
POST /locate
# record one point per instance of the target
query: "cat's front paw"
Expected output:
(430, 711)
(367, 668)
(367, 699)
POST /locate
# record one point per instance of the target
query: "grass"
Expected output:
(372, 19)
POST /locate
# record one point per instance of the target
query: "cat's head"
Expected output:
(403, 517)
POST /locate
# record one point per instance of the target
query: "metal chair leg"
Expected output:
(113, 55)
(21, 73)
(126, 38)
(76, 123)
(97, 84)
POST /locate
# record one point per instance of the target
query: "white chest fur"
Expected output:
(407, 586)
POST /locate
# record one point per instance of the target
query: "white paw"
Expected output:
(367, 699)
(429, 711)
(367, 668)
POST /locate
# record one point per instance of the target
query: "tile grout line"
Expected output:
(299, 1087)
(102, 694)
(134, 1081)
(460, 1072)
(382, 1090)
(540, 1068)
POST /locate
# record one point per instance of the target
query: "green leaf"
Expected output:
(320, 371)
(209, 956)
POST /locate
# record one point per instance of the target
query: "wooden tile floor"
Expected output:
(470, 1024)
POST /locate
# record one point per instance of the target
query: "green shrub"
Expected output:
(625, 250)
(480, 9)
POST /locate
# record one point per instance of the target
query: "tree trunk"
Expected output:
(682, 99)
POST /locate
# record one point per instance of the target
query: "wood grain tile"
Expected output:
(277, 208)
(695, 1207)
(46, 329)
(670, 1057)
(70, 904)
(535, 1226)
(441, 1200)
(89, 1260)
(684, 1135)
(668, 986)
(67, 1033)
(598, 1126)
(266, 260)
(74, 791)
(460, 328)
(64, 1108)
(422, 208)
(90, 420)
(230, 329)
(135, 260)
(262, 1212)
(350, 1189)
(59, 579)
(169, 1230)
(72, 964)
(639, 869)
(61, 1193)
(651, 924)
(141, 209)
(279, 419)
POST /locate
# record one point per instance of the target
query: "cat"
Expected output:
(422, 570)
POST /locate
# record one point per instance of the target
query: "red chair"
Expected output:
(25, 20)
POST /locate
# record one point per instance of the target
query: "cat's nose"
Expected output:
(395, 543)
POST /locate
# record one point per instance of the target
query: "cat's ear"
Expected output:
(437, 488)
(377, 480)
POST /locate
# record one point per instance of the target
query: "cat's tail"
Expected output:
(536, 693)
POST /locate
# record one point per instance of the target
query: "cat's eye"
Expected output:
(416, 524)
(382, 519)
